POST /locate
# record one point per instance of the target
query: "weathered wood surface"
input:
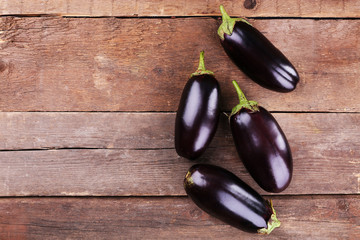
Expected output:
(322, 217)
(34, 130)
(60, 64)
(327, 134)
(138, 67)
(158, 172)
(125, 8)
(135, 154)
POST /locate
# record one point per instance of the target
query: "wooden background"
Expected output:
(88, 94)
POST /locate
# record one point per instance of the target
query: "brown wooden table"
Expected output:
(88, 94)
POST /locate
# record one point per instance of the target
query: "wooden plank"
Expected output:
(308, 217)
(159, 172)
(123, 8)
(139, 156)
(324, 133)
(50, 64)
(33, 130)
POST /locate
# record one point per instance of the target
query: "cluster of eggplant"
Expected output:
(259, 140)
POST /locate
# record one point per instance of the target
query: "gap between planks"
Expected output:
(216, 17)
(348, 8)
(181, 196)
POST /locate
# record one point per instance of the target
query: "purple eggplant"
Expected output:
(261, 144)
(225, 196)
(255, 55)
(198, 113)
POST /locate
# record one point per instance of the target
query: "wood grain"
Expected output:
(316, 132)
(158, 172)
(155, 172)
(133, 153)
(123, 8)
(87, 109)
(31, 130)
(321, 217)
(59, 64)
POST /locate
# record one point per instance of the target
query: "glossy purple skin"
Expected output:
(258, 58)
(197, 116)
(223, 195)
(263, 148)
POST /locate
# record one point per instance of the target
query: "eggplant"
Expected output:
(223, 195)
(255, 55)
(261, 144)
(198, 113)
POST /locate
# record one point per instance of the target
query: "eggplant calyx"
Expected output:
(201, 69)
(272, 223)
(228, 23)
(244, 103)
(188, 181)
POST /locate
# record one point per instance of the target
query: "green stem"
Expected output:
(225, 17)
(201, 62)
(243, 102)
(201, 69)
(228, 23)
(239, 92)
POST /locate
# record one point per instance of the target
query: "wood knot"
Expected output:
(3, 66)
(249, 4)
